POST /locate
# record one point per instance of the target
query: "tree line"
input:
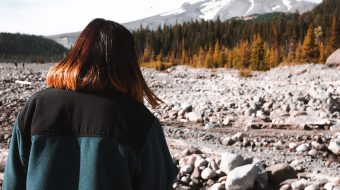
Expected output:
(29, 48)
(258, 44)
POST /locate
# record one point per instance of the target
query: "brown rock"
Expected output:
(280, 172)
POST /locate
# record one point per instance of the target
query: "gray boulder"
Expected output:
(334, 146)
(230, 161)
(334, 59)
(280, 172)
(194, 117)
(244, 177)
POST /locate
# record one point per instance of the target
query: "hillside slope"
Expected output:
(29, 48)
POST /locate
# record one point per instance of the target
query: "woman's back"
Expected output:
(72, 140)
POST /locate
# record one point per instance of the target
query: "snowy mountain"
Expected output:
(208, 10)
(224, 9)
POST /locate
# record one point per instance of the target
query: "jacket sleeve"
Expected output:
(157, 169)
(16, 166)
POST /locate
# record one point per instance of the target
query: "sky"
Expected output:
(48, 17)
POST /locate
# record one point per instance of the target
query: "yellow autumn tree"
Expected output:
(322, 57)
(208, 59)
(309, 48)
(244, 54)
(216, 59)
(257, 57)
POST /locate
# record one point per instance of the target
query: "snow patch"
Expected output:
(211, 8)
(276, 7)
(174, 12)
(251, 6)
(288, 4)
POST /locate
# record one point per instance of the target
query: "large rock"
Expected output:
(300, 184)
(194, 117)
(208, 173)
(334, 146)
(280, 172)
(230, 161)
(244, 177)
(334, 59)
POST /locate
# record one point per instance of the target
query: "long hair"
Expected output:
(104, 56)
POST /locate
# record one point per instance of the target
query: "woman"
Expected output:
(90, 129)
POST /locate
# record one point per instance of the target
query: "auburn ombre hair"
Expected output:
(103, 57)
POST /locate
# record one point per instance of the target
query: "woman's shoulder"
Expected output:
(131, 119)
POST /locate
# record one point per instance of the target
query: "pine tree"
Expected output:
(257, 58)
(298, 54)
(322, 57)
(236, 61)
(216, 56)
(244, 55)
(208, 59)
(333, 42)
(201, 58)
(291, 52)
(229, 55)
(223, 58)
(146, 55)
(309, 48)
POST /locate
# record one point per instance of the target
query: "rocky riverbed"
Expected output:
(274, 130)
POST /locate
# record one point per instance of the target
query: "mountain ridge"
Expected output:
(207, 10)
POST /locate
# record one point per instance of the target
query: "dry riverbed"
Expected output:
(275, 130)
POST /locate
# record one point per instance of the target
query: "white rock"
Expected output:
(186, 106)
(208, 173)
(316, 145)
(300, 184)
(249, 112)
(188, 160)
(243, 177)
(213, 165)
(209, 126)
(335, 180)
(296, 163)
(312, 187)
(334, 146)
(285, 187)
(329, 186)
(194, 117)
(200, 162)
(313, 152)
(292, 145)
(187, 169)
(226, 121)
(230, 161)
(216, 186)
(335, 128)
(238, 136)
(185, 179)
(303, 147)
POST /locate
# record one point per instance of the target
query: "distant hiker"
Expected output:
(90, 129)
(23, 65)
(16, 65)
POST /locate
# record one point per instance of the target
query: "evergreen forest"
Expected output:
(29, 48)
(258, 43)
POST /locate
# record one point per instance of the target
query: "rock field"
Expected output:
(274, 130)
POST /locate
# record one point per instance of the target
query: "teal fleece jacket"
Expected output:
(65, 140)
